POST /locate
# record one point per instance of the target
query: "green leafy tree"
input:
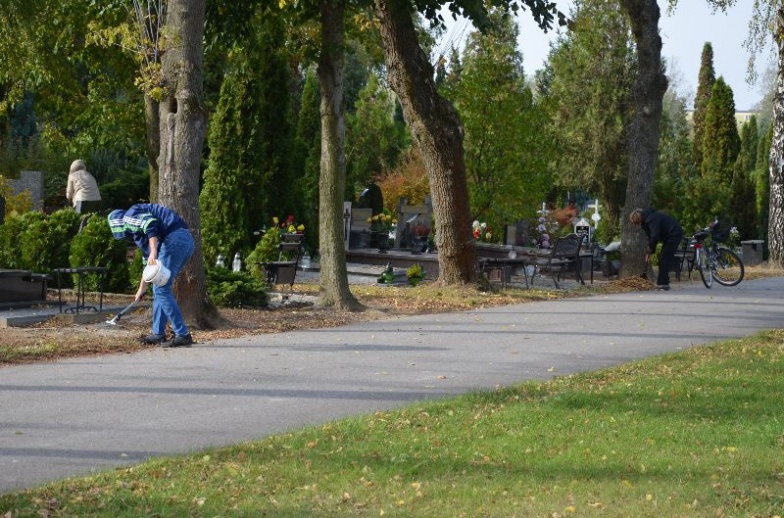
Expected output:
(707, 77)
(374, 140)
(593, 70)
(81, 92)
(675, 164)
(506, 146)
(434, 123)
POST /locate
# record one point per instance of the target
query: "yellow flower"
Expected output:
(275, 220)
(292, 228)
(301, 227)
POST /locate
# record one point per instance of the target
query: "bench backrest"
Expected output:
(568, 247)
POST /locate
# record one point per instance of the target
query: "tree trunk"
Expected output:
(152, 119)
(649, 88)
(182, 130)
(776, 217)
(332, 180)
(436, 129)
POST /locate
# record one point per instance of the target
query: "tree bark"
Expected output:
(776, 217)
(332, 179)
(436, 129)
(649, 88)
(182, 130)
(152, 119)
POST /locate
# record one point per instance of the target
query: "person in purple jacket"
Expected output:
(163, 236)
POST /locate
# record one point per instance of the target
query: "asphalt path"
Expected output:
(78, 416)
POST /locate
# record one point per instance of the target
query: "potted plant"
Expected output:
(415, 273)
(381, 226)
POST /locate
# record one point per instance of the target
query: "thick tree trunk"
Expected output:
(182, 132)
(152, 119)
(332, 180)
(649, 87)
(776, 217)
(436, 129)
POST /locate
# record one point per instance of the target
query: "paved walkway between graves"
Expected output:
(72, 417)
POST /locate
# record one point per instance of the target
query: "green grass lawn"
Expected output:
(694, 434)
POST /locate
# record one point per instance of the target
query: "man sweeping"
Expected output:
(162, 236)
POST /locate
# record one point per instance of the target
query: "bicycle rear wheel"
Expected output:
(729, 268)
(701, 262)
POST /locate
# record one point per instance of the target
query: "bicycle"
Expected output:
(715, 261)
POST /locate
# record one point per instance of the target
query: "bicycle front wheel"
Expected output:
(701, 262)
(729, 268)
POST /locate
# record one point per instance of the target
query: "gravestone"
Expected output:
(372, 198)
(516, 234)
(356, 226)
(409, 216)
(32, 181)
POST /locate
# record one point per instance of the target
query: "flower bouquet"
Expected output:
(382, 227)
(290, 225)
(482, 232)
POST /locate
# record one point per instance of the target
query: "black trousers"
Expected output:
(667, 258)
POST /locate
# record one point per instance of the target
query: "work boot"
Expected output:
(179, 341)
(153, 339)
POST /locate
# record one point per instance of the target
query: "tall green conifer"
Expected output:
(762, 184)
(744, 196)
(710, 195)
(308, 138)
(704, 87)
(249, 176)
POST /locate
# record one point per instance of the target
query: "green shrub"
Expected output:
(95, 246)
(45, 243)
(10, 230)
(235, 289)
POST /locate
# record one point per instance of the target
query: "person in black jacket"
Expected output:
(660, 228)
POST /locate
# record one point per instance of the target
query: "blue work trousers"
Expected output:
(173, 252)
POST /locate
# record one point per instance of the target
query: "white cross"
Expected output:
(596, 217)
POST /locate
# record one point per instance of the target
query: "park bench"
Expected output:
(564, 257)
